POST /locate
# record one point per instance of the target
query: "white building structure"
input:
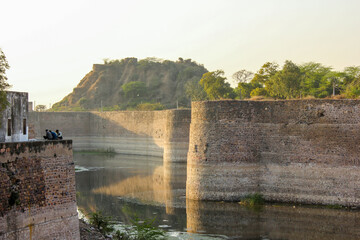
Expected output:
(14, 124)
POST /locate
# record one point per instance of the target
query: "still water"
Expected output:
(123, 186)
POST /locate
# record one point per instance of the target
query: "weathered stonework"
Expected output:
(37, 184)
(304, 151)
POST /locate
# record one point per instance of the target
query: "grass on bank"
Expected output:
(140, 230)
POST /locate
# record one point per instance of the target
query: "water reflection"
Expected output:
(122, 186)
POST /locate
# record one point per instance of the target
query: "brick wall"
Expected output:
(303, 151)
(37, 182)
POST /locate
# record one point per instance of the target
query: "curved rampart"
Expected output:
(303, 151)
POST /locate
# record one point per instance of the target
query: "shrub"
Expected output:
(253, 200)
(101, 222)
(149, 106)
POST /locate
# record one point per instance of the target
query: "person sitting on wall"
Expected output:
(54, 136)
(48, 135)
(59, 134)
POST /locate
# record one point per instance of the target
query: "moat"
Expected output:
(123, 186)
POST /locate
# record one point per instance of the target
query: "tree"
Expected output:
(215, 86)
(242, 76)
(244, 89)
(134, 89)
(351, 82)
(4, 65)
(40, 108)
(351, 73)
(267, 70)
(315, 80)
(334, 81)
(353, 89)
(285, 83)
(195, 91)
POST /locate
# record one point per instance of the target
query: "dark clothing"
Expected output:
(48, 136)
(54, 135)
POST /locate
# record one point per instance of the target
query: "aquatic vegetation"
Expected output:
(140, 229)
(252, 200)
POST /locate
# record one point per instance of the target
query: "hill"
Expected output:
(124, 84)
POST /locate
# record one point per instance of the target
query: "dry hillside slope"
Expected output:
(160, 82)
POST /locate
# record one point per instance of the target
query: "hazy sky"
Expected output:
(51, 45)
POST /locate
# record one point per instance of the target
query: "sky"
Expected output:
(51, 45)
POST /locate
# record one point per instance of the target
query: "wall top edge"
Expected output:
(25, 93)
(38, 142)
(281, 100)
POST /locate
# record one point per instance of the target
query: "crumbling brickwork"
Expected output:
(37, 184)
(304, 151)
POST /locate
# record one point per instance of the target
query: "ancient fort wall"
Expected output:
(38, 197)
(291, 151)
(127, 132)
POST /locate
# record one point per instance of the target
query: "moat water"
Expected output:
(125, 186)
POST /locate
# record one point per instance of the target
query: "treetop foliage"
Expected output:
(215, 86)
(298, 81)
(4, 65)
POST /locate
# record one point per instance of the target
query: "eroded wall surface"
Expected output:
(38, 196)
(304, 151)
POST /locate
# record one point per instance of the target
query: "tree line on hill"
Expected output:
(292, 81)
(155, 84)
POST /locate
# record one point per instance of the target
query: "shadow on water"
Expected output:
(124, 185)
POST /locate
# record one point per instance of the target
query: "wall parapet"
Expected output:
(302, 151)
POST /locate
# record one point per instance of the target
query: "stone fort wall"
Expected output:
(150, 133)
(304, 151)
(38, 197)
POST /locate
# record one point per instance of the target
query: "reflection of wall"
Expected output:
(126, 132)
(176, 144)
(150, 189)
(296, 151)
(271, 222)
(37, 184)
